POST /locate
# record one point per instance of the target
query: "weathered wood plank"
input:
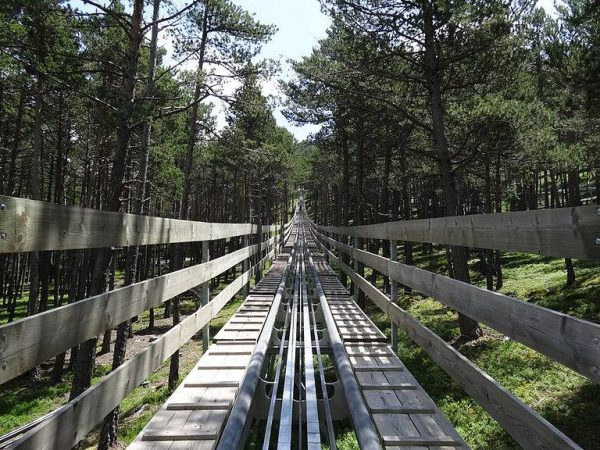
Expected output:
(186, 425)
(568, 340)
(70, 423)
(401, 409)
(561, 232)
(525, 425)
(403, 386)
(375, 367)
(398, 425)
(31, 225)
(216, 378)
(188, 406)
(436, 441)
(183, 395)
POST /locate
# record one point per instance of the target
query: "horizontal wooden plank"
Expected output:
(31, 225)
(231, 352)
(391, 386)
(525, 425)
(382, 368)
(181, 445)
(187, 435)
(568, 340)
(70, 423)
(213, 383)
(199, 405)
(434, 441)
(185, 425)
(33, 340)
(401, 409)
(224, 366)
(561, 232)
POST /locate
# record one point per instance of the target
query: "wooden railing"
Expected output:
(567, 232)
(27, 225)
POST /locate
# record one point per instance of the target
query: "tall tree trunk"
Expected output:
(358, 206)
(546, 190)
(14, 151)
(574, 199)
(386, 207)
(36, 194)
(345, 200)
(406, 209)
(489, 254)
(459, 255)
(187, 183)
(36, 190)
(108, 435)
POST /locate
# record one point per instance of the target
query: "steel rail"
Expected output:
(313, 436)
(278, 369)
(365, 433)
(324, 393)
(284, 439)
(232, 435)
(298, 376)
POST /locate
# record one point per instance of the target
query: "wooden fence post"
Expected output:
(394, 294)
(260, 235)
(245, 265)
(276, 235)
(205, 295)
(355, 289)
(341, 274)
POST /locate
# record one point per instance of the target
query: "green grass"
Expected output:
(20, 310)
(541, 280)
(22, 401)
(345, 438)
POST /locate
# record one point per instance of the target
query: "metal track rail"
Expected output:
(232, 436)
(313, 435)
(324, 393)
(275, 388)
(287, 405)
(298, 413)
(365, 433)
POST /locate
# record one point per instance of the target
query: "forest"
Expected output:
(425, 108)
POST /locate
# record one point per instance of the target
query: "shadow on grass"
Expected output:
(21, 399)
(157, 329)
(576, 414)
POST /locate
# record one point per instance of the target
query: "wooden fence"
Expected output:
(567, 232)
(28, 225)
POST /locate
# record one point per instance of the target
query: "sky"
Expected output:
(300, 25)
